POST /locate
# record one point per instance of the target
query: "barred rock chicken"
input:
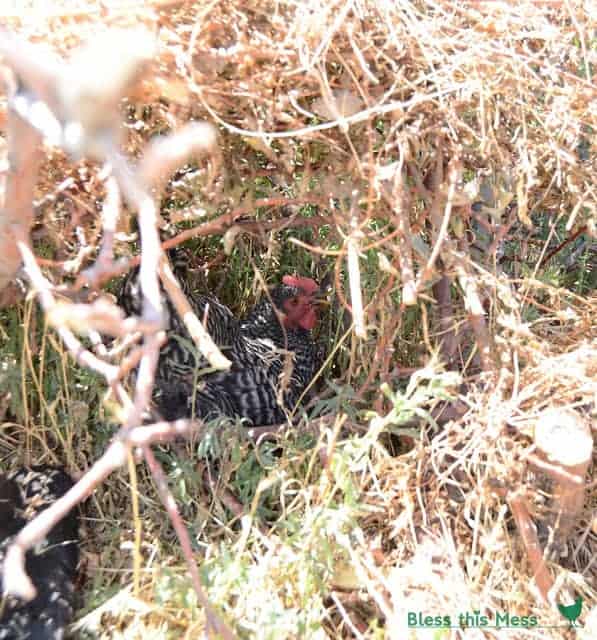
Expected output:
(51, 565)
(275, 361)
(273, 355)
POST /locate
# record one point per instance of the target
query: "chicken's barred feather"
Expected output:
(261, 348)
(51, 565)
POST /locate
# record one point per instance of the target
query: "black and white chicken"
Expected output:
(274, 356)
(51, 565)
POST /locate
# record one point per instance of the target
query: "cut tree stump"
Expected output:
(564, 447)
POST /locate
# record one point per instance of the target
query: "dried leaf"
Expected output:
(341, 104)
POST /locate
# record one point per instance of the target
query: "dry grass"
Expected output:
(427, 137)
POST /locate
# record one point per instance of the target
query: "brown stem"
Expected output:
(528, 533)
(563, 244)
(214, 623)
(401, 199)
(449, 341)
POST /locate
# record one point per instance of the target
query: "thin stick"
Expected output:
(214, 623)
(44, 290)
(196, 330)
(354, 279)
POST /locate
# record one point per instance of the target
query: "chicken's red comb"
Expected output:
(308, 285)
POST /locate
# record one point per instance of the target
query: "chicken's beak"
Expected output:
(319, 298)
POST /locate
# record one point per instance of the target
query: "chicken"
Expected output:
(51, 565)
(273, 355)
(275, 364)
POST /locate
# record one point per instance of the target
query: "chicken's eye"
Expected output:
(294, 302)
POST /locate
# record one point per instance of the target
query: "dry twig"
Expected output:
(93, 108)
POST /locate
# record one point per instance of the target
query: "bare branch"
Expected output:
(354, 279)
(194, 326)
(110, 215)
(440, 229)
(16, 213)
(101, 315)
(167, 153)
(214, 624)
(405, 261)
(82, 115)
(44, 290)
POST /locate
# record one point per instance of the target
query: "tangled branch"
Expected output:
(82, 115)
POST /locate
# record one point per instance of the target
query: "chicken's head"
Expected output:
(296, 300)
